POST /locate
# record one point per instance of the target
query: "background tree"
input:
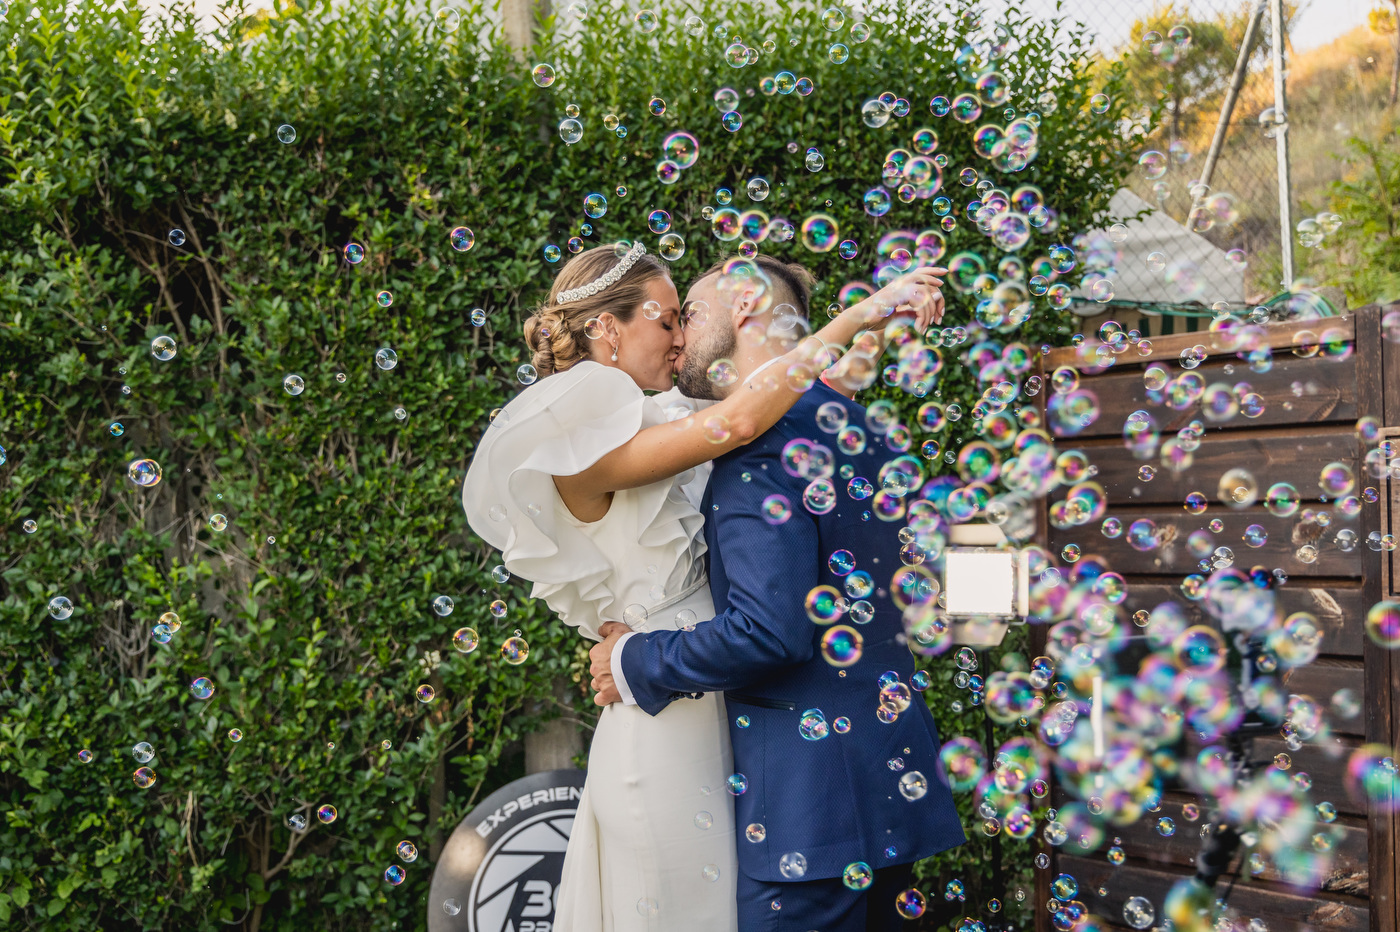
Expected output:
(1383, 20)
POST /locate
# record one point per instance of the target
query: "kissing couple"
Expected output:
(760, 762)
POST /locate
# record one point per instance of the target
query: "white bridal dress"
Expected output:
(652, 846)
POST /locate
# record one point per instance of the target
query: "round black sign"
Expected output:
(500, 870)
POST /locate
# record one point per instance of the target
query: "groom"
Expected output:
(844, 788)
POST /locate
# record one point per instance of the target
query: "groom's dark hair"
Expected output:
(790, 277)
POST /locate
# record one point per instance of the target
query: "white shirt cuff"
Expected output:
(619, 677)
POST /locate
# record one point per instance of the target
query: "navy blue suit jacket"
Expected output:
(835, 800)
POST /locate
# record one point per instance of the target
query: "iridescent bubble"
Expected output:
(680, 148)
(595, 205)
(1138, 912)
(820, 233)
(144, 778)
(543, 74)
(671, 247)
(202, 687)
(515, 651)
(812, 725)
(570, 130)
(910, 903)
(659, 221)
(1383, 623)
(286, 134)
(776, 509)
(327, 814)
(394, 874)
(841, 646)
(913, 785)
(857, 876)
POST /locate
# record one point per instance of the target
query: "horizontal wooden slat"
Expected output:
(1296, 391)
(1280, 454)
(1283, 909)
(1282, 336)
(1174, 525)
(1140, 841)
(1324, 761)
(1321, 679)
(1337, 608)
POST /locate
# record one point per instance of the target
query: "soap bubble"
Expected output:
(407, 851)
(327, 814)
(543, 74)
(144, 778)
(394, 874)
(1383, 624)
(462, 239)
(465, 640)
(515, 651)
(910, 904)
(142, 752)
(913, 785)
(293, 385)
(385, 358)
(286, 134)
(1138, 912)
(793, 865)
(570, 130)
(60, 608)
(857, 876)
(202, 687)
(143, 472)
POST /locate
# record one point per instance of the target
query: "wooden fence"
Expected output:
(1313, 399)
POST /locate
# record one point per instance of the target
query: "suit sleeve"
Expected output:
(771, 569)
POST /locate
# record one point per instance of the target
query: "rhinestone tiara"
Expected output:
(613, 274)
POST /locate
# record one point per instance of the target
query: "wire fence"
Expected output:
(1201, 246)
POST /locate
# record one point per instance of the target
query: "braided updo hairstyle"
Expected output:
(555, 332)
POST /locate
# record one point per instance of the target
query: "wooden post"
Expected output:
(520, 18)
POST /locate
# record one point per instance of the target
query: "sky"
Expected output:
(1320, 22)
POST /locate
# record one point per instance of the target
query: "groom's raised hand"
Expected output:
(600, 663)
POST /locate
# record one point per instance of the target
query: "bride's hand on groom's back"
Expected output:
(600, 663)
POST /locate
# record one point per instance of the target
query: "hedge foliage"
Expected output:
(311, 611)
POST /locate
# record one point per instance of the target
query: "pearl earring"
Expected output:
(614, 355)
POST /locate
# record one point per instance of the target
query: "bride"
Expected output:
(578, 481)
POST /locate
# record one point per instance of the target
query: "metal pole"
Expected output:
(1227, 109)
(1285, 183)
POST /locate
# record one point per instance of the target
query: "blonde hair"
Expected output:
(555, 332)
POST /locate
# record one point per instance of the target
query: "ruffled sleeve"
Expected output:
(560, 426)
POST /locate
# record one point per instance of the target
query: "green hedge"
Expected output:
(311, 612)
